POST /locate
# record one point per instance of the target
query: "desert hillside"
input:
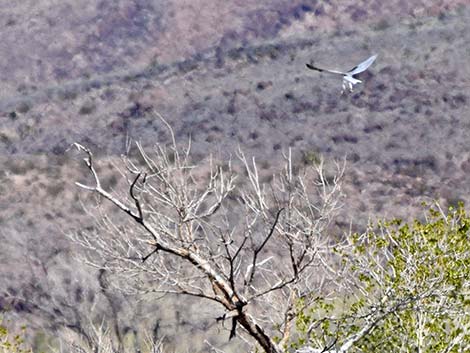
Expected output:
(226, 74)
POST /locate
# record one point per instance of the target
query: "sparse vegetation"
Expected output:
(396, 287)
(311, 158)
(224, 70)
(99, 339)
(87, 108)
(23, 107)
(381, 25)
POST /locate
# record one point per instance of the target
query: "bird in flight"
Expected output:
(348, 77)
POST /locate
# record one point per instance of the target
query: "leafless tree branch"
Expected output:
(208, 235)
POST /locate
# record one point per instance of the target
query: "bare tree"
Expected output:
(218, 233)
(101, 340)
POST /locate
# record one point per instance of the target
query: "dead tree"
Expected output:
(211, 232)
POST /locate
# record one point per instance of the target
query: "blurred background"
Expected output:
(227, 74)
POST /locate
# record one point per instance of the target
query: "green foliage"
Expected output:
(12, 343)
(404, 288)
(311, 158)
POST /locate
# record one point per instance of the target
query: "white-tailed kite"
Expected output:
(348, 77)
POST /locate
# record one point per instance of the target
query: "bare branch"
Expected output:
(259, 248)
(209, 238)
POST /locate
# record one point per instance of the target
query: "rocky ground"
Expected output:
(227, 74)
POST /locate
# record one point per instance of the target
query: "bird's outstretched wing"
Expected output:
(362, 66)
(311, 67)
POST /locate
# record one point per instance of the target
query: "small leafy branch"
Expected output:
(407, 289)
(12, 343)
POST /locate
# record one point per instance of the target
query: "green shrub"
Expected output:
(12, 343)
(408, 289)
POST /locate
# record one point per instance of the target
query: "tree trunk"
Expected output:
(258, 334)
